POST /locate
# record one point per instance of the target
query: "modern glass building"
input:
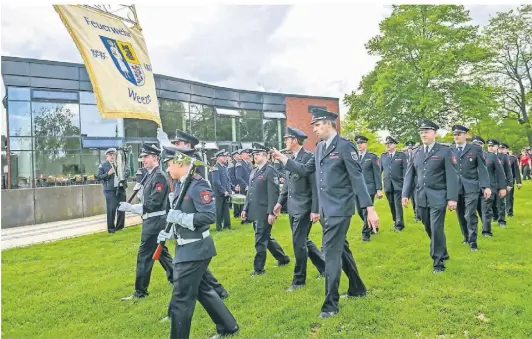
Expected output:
(56, 136)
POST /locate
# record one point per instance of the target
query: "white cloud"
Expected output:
(304, 49)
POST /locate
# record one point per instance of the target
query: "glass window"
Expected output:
(93, 125)
(18, 93)
(21, 169)
(273, 132)
(61, 165)
(227, 112)
(172, 121)
(250, 114)
(87, 98)
(202, 121)
(274, 115)
(19, 114)
(55, 95)
(20, 144)
(135, 128)
(55, 119)
(249, 130)
(101, 143)
(57, 144)
(226, 128)
(173, 106)
(90, 161)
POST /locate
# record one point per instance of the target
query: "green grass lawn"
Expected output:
(72, 288)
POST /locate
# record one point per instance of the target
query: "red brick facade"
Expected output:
(298, 116)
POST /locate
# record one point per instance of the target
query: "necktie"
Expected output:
(426, 149)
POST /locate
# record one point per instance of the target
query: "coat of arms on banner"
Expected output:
(125, 60)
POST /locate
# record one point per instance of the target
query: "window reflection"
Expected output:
(60, 165)
(273, 132)
(202, 121)
(55, 119)
(21, 169)
(55, 95)
(136, 128)
(90, 161)
(225, 128)
(19, 114)
(87, 98)
(93, 125)
(18, 93)
(20, 144)
(250, 126)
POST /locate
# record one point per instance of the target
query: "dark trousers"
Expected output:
(338, 256)
(414, 205)
(148, 245)
(112, 200)
(485, 210)
(526, 172)
(190, 285)
(363, 214)
(264, 241)
(499, 208)
(394, 201)
(237, 210)
(304, 248)
(510, 202)
(467, 217)
(433, 219)
(222, 213)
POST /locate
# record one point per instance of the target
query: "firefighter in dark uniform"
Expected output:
(437, 188)
(263, 193)
(499, 208)
(222, 191)
(411, 149)
(193, 252)
(153, 212)
(237, 209)
(393, 167)
(514, 165)
(338, 178)
(497, 184)
(242, 170)
(300, 196)
(114, 191)
(187, 141)
(369, 162)
(472, 178)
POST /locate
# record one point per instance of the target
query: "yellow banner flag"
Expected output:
(117, 61)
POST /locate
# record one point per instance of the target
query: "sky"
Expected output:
(313, 49)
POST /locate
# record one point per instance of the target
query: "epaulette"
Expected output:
(197, 176)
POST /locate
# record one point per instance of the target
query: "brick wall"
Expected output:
(298, 116)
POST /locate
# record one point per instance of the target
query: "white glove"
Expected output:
(163, 138)
(137, 209)
(165, 236)
(137, 186)
(182, 219)
(124, 207)
(171, 197)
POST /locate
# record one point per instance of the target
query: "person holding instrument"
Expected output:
(153, 211)
(194, 249)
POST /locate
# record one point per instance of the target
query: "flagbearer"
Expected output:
(193, 252)
(153, 211)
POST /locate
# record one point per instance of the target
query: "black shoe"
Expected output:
(293, 287)
(348, 296)
(502, 223)
(495, 219)
(366, 239)
(438, 270)
(325, 315)
(283, 263)
(510, 215)
(398, 229)
(464, 242)
(446, 258)
(226, 334)
(258, 273)
(111, 231)
(119, 228)
(135, 295)
(224, 295)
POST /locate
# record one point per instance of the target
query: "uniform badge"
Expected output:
(206, 197)
(158, 188)
(354, 155)
(453, 159)
(378, 162)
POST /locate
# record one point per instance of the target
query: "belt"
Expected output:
(152, 214)
(180, 241)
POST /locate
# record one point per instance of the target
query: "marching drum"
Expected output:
(238, 199)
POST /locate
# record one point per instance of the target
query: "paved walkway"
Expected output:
(35, 234)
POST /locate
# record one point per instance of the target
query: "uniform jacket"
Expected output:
(199, 201)
(108, 180)
(155, 198)
(394, 170)
(471, 166)
(507, 169)
(300, 192)
(338, 177)
(437, 178)
(514, 164)
(369, 163)
(495, 172)
(263, 193)
(242, 171)
(220, 180)
(231, 172)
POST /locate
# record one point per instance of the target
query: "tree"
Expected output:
(427, 70)
(352, 128)
(509, 37)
